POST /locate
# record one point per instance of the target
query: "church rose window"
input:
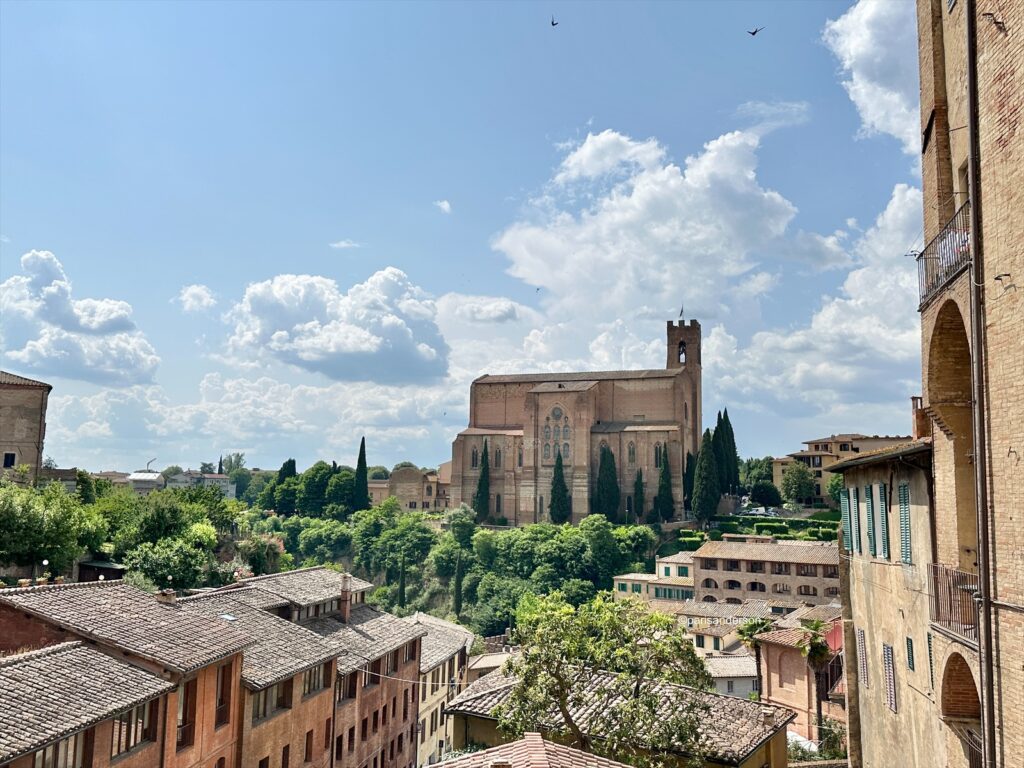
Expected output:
(556, 413)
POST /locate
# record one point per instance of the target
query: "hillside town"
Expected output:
(592, 575)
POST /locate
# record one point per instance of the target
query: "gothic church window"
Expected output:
(520, 455)
(497, 457)
(565, 451)
(631, 453)
(565, 431)
(547, 431)
(474, 460)
(657, 454)
(547, 450)
(558, 433)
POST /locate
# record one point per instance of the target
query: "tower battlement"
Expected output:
(683, 343)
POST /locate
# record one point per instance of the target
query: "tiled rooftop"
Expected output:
(732, 727)
(810, 552)
(121, 615)
(739, 665)
(51, 693)
(527, 378)
(369, 633)
(279, 649)
(443, 639)
(827, 613)
(790, 637)
(13, 379)
(308, 586)
(532, 751)
(637, 576)
(680, 558)
(922, 445)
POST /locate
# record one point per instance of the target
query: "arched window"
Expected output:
(565, 450)
(657, 454)
(547, 431)
(709, 584)
(631, 453)
(731, 584)
(497, 457)
(520, 459)
(497, 504)
(807, 590)
(565, 431)
(682, 352)
(734, 600)
(710, 599)
(756, 586)
(558, 433)
(832, 591)
(547, 450)
(474, 459)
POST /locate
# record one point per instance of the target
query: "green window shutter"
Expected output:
(904, 499)
(668, 570)
(855, 524)
(869, 510)
(910, 653)
(844, 505)
(883, 518)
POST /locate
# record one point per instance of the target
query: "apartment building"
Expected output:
(200, 657)
(415, 488)
(732, 570)
(190, 478)
(22, 423)
(733, 674)
(672, 580)
(444, 665)
(821, 453)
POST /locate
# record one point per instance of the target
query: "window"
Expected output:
(309, 747)
(222, 762)
(565, 431)
(224, 681)
(270, 700)
(497, 457)
(728, 686)
(565, 450)
(682, 570)
(806, 570)
(844, 506)
(755, 566)
(371, 673)
(519, 456)
(315, 679)
(134, 727)
(497, 504)
(636, 588)
(286, 755)
(910, 654)
(9, 459)
(807, 590)
(869, 509)
(547, 450)
(430, 490)
(781, 589)
(622, 586)
(558, 433)
(862, 658)
(631, 454)
(347, 685)
(657, 454)
(709, 564)
(405, 704)
(698, 640)
(265, 762)
(668, 570)
(890, 677)
(410, 651)
(352, 739)
(709, 584)
(547, 431)
(831, 571)
(730, 584)
(363, 730)
(832, 592)
(732, 565)
(780, 569)
(186, 714)
(474, 458)
(716, 642)
(756, 586)
(904, 500)
(412, 505)
(375, 720)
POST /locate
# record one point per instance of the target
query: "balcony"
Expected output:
(946, 256)
(952, 601)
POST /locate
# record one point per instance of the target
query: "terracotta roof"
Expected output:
(637, 576)
(528, 378)
(738, 665)
(674, 581)
(851, 436)
(532, 751)
(116, 613)
(564, 386)
(827, 613)
(732, 728)
(790, 637)
(924, 445)
(254, 596)
(307, 586)
(14, 380)
(369, 633)
(279, 648)
(443, 640)
(510, 431)
(680, 558)
(51, 693)
(810, 552)
(488, 660)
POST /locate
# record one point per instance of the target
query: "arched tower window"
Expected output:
(520, 459)
(474, 459)
(497, 504)
(631, 453)
(657, 454)
(497, 457)
(682, 352)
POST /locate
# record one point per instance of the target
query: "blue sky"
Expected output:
(275, 227)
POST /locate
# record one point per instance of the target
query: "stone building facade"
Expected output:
(528, 420)
(415, 488)
(22, 423)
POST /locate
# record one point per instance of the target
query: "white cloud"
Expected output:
(196, 298)
(443, 205)
(767, 116)
(608, 151)
(45, 329)
(876, 44)
(484, 309)
(345, 244)
(381, 330)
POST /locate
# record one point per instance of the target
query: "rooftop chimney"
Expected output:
(767, 717)
(346, 596)
(168, 596)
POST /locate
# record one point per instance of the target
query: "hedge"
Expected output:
(772, 527)
(828, 514)
(793, 523)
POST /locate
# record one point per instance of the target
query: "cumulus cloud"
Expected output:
(45, 329)
(875, 42)
(345, 244)
(443, 205)
(196, 298)
(381, 330)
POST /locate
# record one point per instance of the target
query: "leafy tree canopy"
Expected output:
(797, 482)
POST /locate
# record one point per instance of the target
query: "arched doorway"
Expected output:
(961, 707)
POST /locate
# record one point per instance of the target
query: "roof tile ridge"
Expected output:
(58, 587)
(266, 576)
(48, 650)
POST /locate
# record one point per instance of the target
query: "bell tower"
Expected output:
(683, 344)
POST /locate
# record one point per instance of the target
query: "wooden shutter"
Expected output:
(883, 518)
(931, 661)
(844, 506)
(890, 677)
(869, 511)
(862, 658)
(904, 499)
(855, 514)
(910, 653)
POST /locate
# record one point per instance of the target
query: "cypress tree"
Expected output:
(608, 496)
(638, 497)
(705, 481)
(732, 455)
(287, 470)
(482, 497)
(220, 466)
(401, 582)
(691, 465)
(664, 504)
(718, 446)
(457, 586)
(558, 507)
(361, 486)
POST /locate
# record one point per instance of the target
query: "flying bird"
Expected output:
(755, 31)
(553, 22)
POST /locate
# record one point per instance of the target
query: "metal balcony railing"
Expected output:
(946, 256)
(952, 601)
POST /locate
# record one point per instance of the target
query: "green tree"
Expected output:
(607, 496)
(797, 482)
(287, 470)
(815, 649)
(401, 582)
(757, 471)
(360, 487)
(262, 553)
(688, 475)
(835, 488)
(312, 492)
(169, 562)
(765, 494)
(207, 467)
(85, 487)
(747, 633)
(732, 459)
(286, 495)
(462, 525)
(241, 477)
(220, 465)
(558, 503)
(457, 586)
(706, 491)
(44, 524)
(664, 505)
(233, 461)
(638, 497)
(718, 446)
(378, 472)
(171, 471)
(623, 656)
(482, 497)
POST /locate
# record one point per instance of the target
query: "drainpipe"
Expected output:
(977, 275)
